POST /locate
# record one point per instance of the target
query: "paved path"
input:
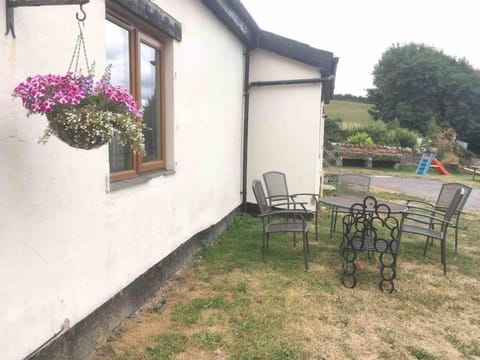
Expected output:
(426, 188)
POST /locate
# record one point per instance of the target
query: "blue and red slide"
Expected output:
(427, 161)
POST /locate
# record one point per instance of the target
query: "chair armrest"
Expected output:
(435, 211)
(426, 216)
(408, 201)
(278, 197)
(306, 194)
(315, 197)
(281, 197)
(443, 210)
(287, 212)
(419, 208)
(294, 204)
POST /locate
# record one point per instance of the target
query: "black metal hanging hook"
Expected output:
(11, 4)
(84, 16)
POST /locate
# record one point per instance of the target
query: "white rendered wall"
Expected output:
(67, 245)
(284, 123)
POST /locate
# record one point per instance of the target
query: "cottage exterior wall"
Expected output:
(285, 123)
(67, 243)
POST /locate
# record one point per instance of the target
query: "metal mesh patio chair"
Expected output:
(445, 196)
(417, 220)
(277, 190)
(280, 220)
(348, 185)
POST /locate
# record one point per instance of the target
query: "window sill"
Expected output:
(142, 179)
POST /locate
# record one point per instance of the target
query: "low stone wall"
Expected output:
(369, 162)
(410, 158)
(369, 159)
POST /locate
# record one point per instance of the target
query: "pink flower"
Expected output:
(42, 93)
(119, 94)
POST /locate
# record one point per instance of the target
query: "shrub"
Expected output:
(450, 158)
(378, 134)
(361, 138)
(404, 138)
(445, 142)
(333, 132)
(466, 157)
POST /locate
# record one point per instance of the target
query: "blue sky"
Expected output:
(360, 31)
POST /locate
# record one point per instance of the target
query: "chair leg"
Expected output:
(456, 233)
(263, 246)
(332, 216)
(425, 248)
(443, 255)
(305, 249)
(335, 221)
(316, 225)
(456, 239)
(308, 244)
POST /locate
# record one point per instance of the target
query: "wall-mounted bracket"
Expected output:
(11, 4)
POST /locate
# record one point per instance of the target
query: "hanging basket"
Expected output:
(71, 125)
(77, 136)
(68, 138)
(82, 113)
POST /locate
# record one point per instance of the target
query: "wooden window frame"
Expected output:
(140, 32)
(144, 167)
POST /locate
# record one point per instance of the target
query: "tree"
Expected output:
(333, 132)
(419, 85)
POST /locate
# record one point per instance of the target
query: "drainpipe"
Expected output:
(246, 99)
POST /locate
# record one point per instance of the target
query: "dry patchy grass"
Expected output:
(228, 304)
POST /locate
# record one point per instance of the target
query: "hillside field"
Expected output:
(352, 114)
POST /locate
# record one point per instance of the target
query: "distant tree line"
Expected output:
(423, 88)
(350, 97)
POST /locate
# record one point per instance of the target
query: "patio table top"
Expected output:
(346, 202)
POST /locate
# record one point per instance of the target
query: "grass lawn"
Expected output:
(353, 114)
(229, 304)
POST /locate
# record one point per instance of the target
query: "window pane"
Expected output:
(117, 46)
(150, 90)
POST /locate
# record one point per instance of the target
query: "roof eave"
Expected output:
(321, 59)
(235, 17)
(297, 51)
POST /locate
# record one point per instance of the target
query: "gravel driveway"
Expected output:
(426, 188)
